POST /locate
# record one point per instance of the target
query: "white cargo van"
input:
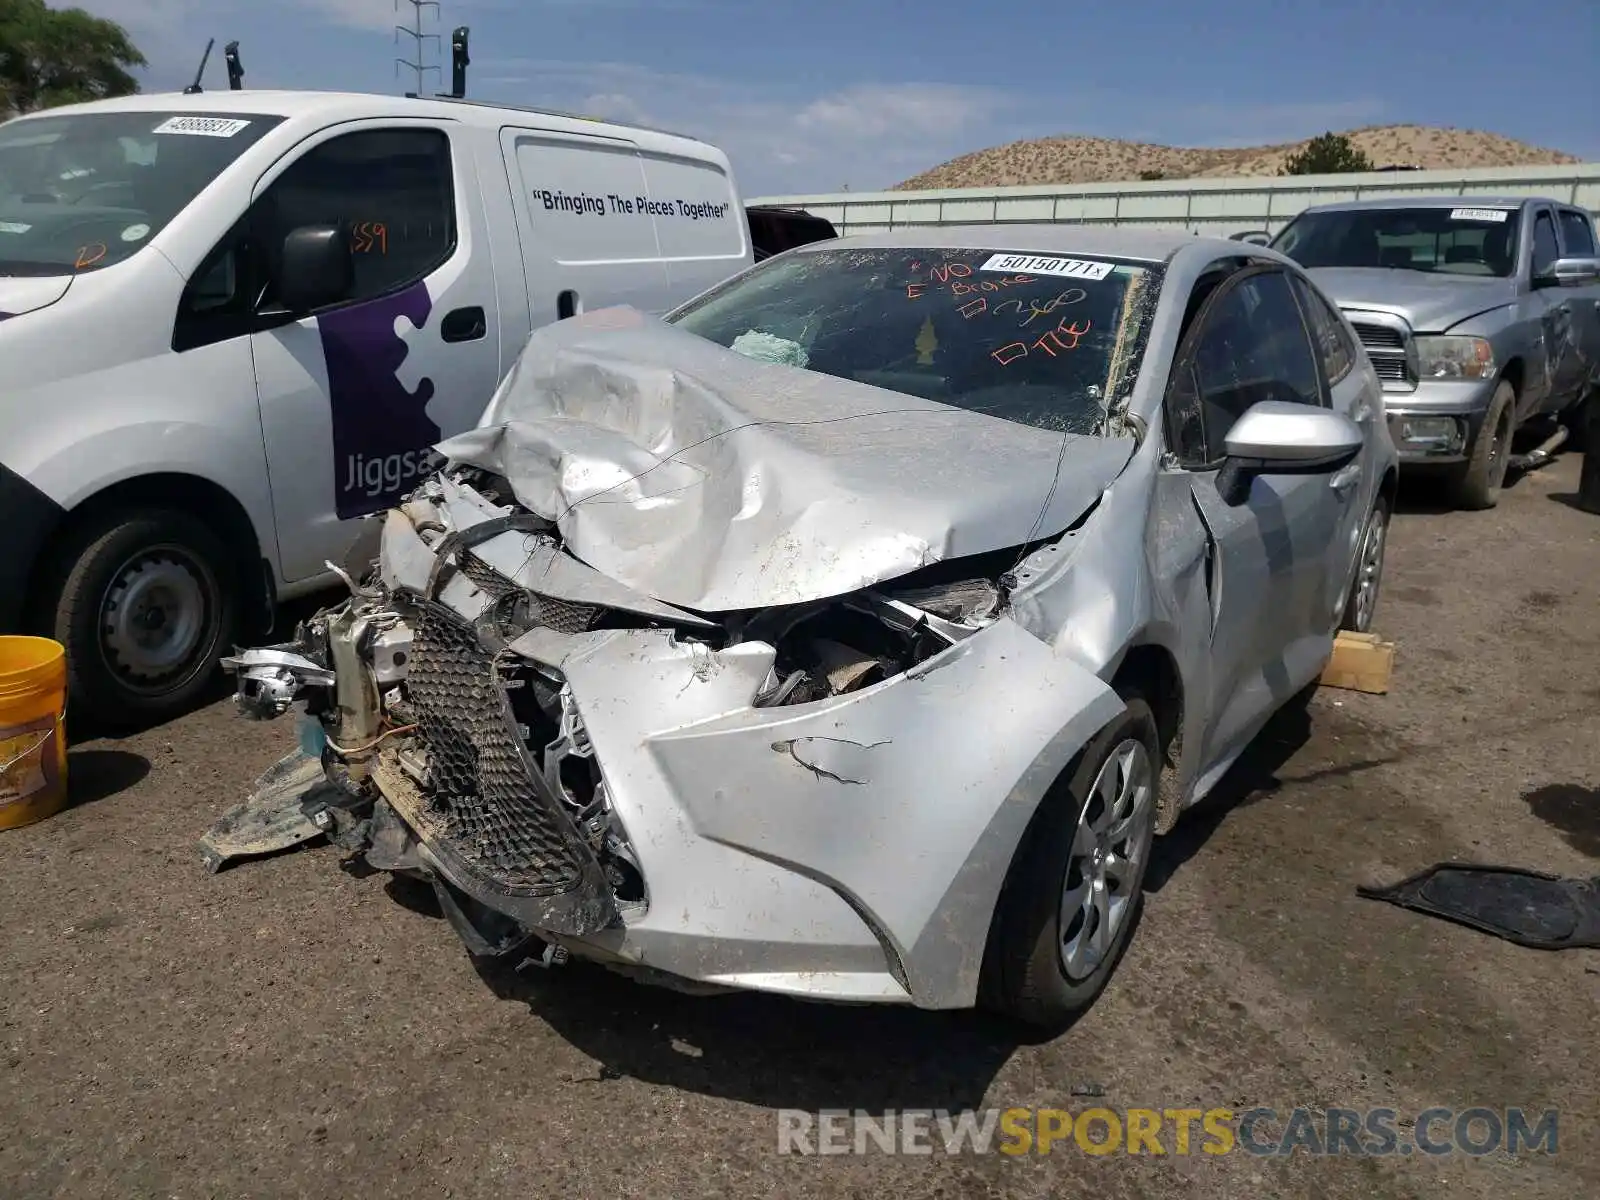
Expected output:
(233, 324)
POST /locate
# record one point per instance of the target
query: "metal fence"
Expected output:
(1216, 207)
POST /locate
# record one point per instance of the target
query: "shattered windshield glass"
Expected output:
(1453, 241)
(81, 192)
(1042, 340)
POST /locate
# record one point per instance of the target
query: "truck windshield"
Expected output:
(1470, 240)
(1043, 340)
(82, 192)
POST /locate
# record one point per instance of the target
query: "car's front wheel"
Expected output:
(144, 603)
(1073, 894)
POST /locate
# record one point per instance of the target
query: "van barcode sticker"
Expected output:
(202, 126)
(14, 227)
(1480, 214)
(1032, 264)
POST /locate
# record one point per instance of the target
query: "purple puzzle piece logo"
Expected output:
(381, 432)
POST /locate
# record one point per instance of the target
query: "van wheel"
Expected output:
(145, 604)
(1476, 483)
(1074, 891)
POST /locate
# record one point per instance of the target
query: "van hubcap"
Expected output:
(154, 616)
(1108, 852)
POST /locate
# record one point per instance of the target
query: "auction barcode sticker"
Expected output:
(14, 227)
(1033, 264)
(202, 126)
(1480, 214)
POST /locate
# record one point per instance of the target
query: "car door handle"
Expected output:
(1345, 478)
(464, 325)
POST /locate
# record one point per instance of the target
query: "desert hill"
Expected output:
(1068, 159)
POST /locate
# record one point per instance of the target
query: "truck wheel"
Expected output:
(1073, 894)
(1477, 481)
(145, 604)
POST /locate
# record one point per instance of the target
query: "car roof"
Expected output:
(1140, 245)
(331, 107)
(1432, 202)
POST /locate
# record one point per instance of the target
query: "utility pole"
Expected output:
(419, 41)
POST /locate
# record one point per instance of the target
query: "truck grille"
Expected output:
(1386, 346)
(481, 778)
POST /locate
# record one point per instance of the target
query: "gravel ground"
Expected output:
(291, 1028)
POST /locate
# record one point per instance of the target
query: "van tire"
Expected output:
(1476, 483)
(145, 604)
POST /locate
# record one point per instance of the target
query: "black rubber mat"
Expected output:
(1544, 912)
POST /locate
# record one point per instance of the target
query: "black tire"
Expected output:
(1025, 976)
(1476, 483)
(1358, 616)
(100, 583)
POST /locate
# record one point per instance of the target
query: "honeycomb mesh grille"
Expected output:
(563, 616)
(480, 781)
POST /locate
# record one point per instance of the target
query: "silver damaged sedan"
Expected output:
(851, 631)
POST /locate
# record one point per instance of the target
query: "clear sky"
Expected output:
(815, 95)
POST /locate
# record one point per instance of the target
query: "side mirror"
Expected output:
(317, 268)
(1256, 237)
(1277, 437)
(1569, 272)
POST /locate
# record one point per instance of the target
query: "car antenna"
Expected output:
(230, 55)
(194, 89)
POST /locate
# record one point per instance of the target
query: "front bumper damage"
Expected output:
(819, 799)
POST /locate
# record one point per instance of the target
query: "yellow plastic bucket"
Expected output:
(33, 743)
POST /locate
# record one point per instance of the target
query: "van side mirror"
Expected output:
(317, 268)
(1569, 272)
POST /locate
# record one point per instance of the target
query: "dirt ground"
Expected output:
(291, 1028)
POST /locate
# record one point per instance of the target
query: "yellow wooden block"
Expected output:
(1361, 662)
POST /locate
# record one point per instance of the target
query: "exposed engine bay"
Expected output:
(435, 700)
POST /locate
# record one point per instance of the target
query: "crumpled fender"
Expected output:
(908, 798)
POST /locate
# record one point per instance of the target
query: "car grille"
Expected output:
(1386, 346)
(480, 776)
(563, 616)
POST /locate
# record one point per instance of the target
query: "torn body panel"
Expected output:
(721, 483)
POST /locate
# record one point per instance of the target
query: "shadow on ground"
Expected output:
(99, 774)
(1252, 778)
(768, 1050)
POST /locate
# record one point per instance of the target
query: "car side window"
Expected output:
(1333, 344)
(1251, 347)
(1185, 431)
(1577, 234)
(393, 190)
(1545, 251)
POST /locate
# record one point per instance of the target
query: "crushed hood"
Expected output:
(1431, 303)
(24, 293)
(716, 482)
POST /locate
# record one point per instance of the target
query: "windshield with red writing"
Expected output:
(82, 192)
(1047, 340)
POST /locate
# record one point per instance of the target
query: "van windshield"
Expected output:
(82, 192)
(1467, 240)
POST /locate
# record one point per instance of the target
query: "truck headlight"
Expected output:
(1455, 357)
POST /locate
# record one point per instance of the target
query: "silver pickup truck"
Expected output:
(1481, 316)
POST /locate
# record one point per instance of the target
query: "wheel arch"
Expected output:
(203, 499)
